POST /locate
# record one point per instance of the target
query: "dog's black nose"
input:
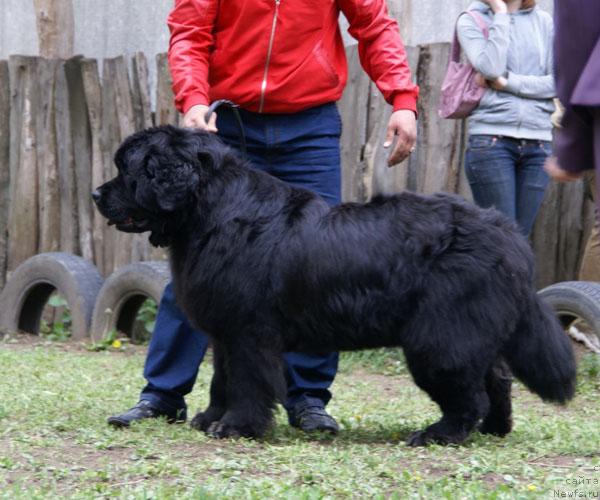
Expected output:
(96, 195)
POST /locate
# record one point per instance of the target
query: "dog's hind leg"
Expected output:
(218, 393)
(461, 396)
(254, 384)
(498, 382)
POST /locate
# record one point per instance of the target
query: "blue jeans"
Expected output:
(508, 174)
(304, 150)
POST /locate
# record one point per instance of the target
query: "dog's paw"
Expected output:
(221, 430)
(419, 438)
(234, 425)
(204, 419)
(429, 436)
(496, 427)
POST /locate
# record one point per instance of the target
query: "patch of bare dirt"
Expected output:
(28, 341)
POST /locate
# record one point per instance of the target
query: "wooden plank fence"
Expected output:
(62, 120)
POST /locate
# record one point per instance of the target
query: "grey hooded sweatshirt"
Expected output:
(519, 47)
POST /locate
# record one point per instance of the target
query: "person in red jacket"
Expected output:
(283, 63)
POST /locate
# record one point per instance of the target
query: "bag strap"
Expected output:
(455, 49)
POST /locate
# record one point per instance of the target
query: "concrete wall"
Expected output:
(112, 27)
(431, 21)
(102, 29)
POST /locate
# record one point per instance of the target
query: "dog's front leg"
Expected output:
(254, 383)
(218, 393)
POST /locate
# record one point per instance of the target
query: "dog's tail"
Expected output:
(540, 353)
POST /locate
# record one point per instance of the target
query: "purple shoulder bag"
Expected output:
(460, 93)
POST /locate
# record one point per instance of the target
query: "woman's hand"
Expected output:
(481, 81)
(498, 6)
(499, 83)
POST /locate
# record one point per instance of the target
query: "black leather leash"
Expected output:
(234, 107)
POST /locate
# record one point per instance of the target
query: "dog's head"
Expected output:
(160, 171)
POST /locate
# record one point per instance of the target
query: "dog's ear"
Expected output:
(174, 186)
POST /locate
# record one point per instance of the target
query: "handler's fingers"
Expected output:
(212, 123)
(389, 137)
(195, 117)
(554, 170)
(403, 124)
(401, 151)
(192, 122)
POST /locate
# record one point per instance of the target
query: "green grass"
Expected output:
(54, 442)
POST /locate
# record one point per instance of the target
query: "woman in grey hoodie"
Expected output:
(510, 132)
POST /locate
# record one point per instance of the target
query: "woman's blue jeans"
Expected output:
(508, 174)
(304, 150)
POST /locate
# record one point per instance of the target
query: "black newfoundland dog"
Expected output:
(265, 268)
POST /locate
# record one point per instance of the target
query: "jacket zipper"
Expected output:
(263, 86)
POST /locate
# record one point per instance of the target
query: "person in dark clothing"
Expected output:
(577, 73)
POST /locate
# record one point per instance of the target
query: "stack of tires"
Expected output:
(97, 306)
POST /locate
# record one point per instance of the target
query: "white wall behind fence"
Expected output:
(110, 28)
(113, 27)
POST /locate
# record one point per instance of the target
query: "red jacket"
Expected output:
(282, 56)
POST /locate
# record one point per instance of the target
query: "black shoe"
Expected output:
(310, 416)
(145, 409)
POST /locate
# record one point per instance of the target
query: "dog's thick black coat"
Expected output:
(266, 268)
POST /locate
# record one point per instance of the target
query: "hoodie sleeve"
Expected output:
(536, 86)
(488, 56)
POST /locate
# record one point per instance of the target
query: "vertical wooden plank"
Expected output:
(4, 166)
(386, 180)
(437, 153)
(49, 190)
(110, 138)
(93, 98)
(544, 237)
(463, 188)
(558, 237)
(353, 109)
(134, 246)
(16, 69)
(127, 247)
(23, 211)
(570, 242)
(165, 109)
(69, 226)
(80, 134)
(140, 91)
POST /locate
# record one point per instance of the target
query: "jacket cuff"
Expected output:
(405, 100)
(513, 84)
(190, 101)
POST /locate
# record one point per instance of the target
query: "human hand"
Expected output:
(481, 81)
(554, 170)
(403, 124)
(497, 6)
(195, 117)
(499, 83)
